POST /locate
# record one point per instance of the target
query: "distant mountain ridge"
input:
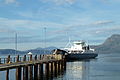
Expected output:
(111, 45)
(39, 50)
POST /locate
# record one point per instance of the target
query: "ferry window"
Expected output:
(77, 43)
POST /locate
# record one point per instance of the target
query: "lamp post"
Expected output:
(44, 39)
(15, 43)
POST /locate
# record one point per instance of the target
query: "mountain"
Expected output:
(111, 45)
(10, 51)
(39, 50)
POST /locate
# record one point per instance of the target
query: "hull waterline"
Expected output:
(70, 57)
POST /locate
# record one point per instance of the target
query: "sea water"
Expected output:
(104, 67)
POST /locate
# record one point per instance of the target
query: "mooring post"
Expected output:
(39, 57)
(25, 70)
(18, 70)
(7, 72)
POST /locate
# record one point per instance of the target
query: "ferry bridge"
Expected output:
(33, 67)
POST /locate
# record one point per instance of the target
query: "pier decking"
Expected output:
(33, 67)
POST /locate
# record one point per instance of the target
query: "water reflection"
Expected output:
(85, 70)
(78, 70)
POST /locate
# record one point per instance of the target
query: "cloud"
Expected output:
(59, 2)
(10, 1)
(103, 22)
(7, 30)
(29, 26)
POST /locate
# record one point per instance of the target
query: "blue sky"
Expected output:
(90, 20)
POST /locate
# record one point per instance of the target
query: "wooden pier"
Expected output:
(37, 67)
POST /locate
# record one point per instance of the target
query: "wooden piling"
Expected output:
(35, 69)
(51, 74)
(51, 67)
(46, 71)
(18, 73)
(55, 69)
(25, 73)
(58, 67)
(7, 72)
(35, 72)
(18, 70)
(30, 70)
(40, 72)
(25, 70)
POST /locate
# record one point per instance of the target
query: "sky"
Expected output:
(55, 21)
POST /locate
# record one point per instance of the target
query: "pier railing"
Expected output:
(17, 58)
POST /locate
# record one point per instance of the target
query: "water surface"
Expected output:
(105, 67)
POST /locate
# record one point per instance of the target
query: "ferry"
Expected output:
(79, 50)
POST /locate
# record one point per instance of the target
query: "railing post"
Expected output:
(39, 57)
(8, 59)
(17, 59)
(0, 61)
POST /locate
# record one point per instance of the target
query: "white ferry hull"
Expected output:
(83, 56)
